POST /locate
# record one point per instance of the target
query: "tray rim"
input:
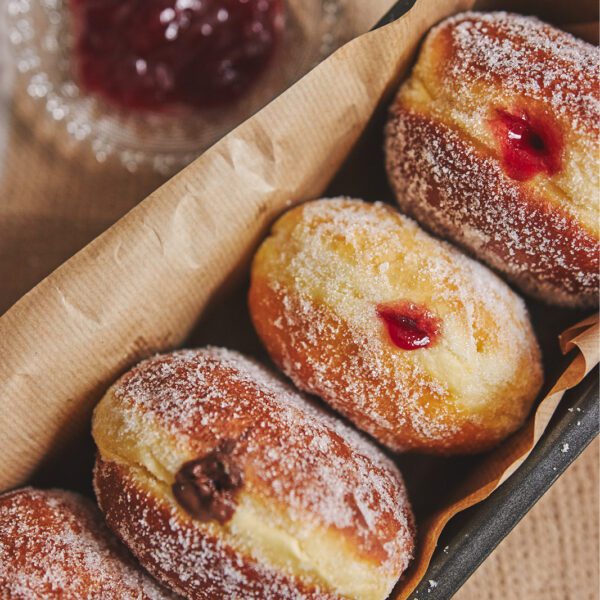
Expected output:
(472, 535)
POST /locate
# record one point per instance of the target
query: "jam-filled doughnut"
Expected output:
(493, 143)
(54, 544)
(415, 343)
(225, 483)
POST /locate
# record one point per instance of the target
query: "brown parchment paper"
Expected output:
(55, 197)
(142, 285)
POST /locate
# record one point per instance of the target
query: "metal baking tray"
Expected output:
(472, 535)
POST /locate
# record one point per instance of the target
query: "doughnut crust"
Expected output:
(295, 504)
(54, 544)
(493, 143)
(318, 285)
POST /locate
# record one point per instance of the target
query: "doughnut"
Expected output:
(54, 544)
(415, 343)
(493, 142)
(226, 483)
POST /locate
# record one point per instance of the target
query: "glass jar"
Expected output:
(40, 33)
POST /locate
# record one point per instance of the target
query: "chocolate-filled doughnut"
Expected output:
(225, 483)
(415, 343)
(493, 143)
(54, 544)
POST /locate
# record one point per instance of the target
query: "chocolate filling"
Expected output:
(206, 487)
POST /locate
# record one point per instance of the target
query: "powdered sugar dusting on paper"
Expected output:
(324, 473)
(55, 544)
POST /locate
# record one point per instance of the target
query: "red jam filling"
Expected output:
(529, 145)
(153, 54)
(409, 326)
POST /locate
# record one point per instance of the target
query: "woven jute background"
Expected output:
(553, 553)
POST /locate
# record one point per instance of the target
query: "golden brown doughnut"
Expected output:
(493, 142)
(415, 343)
(54, 544)
(225, 483)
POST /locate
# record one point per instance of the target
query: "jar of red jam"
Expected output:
(155, 82)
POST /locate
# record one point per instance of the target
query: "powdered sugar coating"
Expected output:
(54, 544)
(320, 474)
(531, 58)
(445, 165)
(316, 284)
(446, 185)
(189, 560)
